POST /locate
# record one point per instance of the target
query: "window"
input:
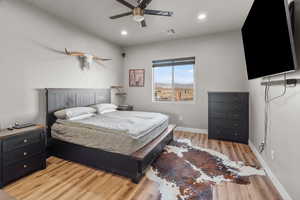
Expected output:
(173, 80)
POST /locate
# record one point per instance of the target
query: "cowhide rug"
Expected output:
(187, 172)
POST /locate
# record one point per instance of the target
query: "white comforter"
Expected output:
(135, 124)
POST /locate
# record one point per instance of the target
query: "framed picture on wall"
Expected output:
(136, 78)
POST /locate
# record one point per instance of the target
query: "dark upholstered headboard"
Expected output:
(58, 99)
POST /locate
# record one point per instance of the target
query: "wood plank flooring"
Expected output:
(63, 180)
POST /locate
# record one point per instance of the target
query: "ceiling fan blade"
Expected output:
(125, 3)
(144, 4)
(143, 23)
(121, 15)
(158, 12)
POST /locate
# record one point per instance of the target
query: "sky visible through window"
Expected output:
(174, 86)
(183, 74)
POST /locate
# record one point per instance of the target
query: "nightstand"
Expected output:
(22, 152)
(125, 108)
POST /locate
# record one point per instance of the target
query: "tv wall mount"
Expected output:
(288, 82)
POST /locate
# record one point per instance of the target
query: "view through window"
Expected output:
(173, 80)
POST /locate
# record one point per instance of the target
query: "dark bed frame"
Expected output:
(132, 166)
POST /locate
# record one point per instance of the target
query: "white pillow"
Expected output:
(108, 111)
(80, 117)
(74, 112)
(104, 106)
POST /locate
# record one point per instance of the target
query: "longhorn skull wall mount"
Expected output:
(86, 58)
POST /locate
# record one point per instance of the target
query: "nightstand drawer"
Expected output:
(22, 153)
(25, 139)
(25, 167)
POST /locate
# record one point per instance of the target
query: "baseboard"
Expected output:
(192, 130)
(284, 194)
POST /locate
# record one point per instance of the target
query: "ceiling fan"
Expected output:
(140, 10)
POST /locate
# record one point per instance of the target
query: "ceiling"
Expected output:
(93, 16)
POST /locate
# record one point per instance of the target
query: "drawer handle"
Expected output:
(25, 153)
(25, 166)
(25, 140)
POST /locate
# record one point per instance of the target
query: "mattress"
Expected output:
(122, 132)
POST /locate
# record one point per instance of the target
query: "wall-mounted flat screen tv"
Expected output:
(268, 39)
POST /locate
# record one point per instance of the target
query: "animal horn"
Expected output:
(67, 52)
(101, 59)
(73, 53)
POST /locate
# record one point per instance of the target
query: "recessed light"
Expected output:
(124, 33)
(202, 16)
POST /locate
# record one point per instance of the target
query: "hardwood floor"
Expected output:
(63, 180)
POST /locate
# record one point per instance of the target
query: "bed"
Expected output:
(87, 143)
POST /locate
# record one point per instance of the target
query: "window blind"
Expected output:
(174, 62)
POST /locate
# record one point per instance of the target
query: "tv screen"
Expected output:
(268, 39)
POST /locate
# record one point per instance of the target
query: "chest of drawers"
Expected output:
(22, 152)
(228, 116)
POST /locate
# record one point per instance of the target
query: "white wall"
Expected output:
(219, 67)
(27, 64)
(284, 132)
(283, 136)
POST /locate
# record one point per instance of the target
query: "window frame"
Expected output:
(173, 101)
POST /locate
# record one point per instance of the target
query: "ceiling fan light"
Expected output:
(138, 18)
(138, 14)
